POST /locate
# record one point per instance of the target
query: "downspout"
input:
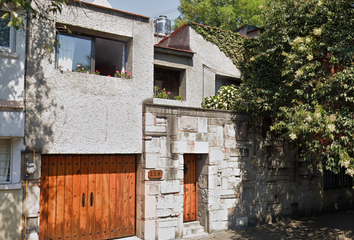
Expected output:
(25, 227)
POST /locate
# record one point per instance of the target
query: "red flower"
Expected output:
(169, 93)
(109, 75)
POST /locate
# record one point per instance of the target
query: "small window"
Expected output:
(170, 81)
(6, 33)
(5, 160)
(340, 180)
(224, 81)
(90, 54)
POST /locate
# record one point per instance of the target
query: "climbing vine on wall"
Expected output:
(231, 44)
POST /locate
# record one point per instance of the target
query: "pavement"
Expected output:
(333, 225)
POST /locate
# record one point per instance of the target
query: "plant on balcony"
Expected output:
(161, 93)
(83, 69)
(125, 74)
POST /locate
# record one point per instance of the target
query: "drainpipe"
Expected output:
(29, 169)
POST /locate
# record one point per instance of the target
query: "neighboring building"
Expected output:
(248, 31)
(12, 120)
(86, 128)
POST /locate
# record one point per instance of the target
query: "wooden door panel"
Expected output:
(87, 196)
(190, 206)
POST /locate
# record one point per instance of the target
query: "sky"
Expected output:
(150, 8)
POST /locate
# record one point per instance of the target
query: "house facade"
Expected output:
(12, 120)
(132, 153)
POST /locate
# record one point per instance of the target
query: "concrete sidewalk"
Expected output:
(334, 225)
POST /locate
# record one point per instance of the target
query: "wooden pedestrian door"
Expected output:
(87, 196)
(190, 206)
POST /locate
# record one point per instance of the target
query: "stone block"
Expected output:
(201, 147)
(179, 146)
(202, 125)
(166, 233)
(154, 189)
(203, 182)
(220, 215)
(155, 129)
(239, 152)
(223, 164)
(164, 212)
(189, 123)
(230, 143)
(150, 230)
(232, 164)
(215, 155)
(161, 120)
(149, 119)
(169, 222)
(170, 186)
(219, 226)
(150, 207)
(153, 145)
(230, 130)
(220, 136)
(164, 147)
(150, 160)
(212, 128)
(202, 137)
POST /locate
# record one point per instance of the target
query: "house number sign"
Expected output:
(155, 174)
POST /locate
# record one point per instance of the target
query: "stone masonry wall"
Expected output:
(243, 179)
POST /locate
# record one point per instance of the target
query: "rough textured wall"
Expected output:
(200, 70)
(244, 178)
(10, 214)
(73, 112)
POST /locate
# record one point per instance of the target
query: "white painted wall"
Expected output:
(73, 112)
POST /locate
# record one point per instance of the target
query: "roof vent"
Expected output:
(163, 25)
(103, 3)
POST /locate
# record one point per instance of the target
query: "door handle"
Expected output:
(91, 199)
(83, 200)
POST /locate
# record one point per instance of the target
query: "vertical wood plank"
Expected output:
(91, 190)
(98, 197)
(43, 214)
(187, 188)
(60, 196)
(83, 201)
(105, 197)
(193, 188)
(76, 196)
(68, 206)
(196, 188)
(52, 195)
(113, 195)
(119, 216)
(126, 207)
(131, 226)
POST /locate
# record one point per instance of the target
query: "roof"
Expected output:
(107, 8)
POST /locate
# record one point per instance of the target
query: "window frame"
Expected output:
(11, 161)
(223, 78)
(93, 47)
(181, 80)
(12, 40)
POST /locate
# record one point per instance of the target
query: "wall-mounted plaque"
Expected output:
(155, 174)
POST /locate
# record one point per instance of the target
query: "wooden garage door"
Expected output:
(87, 196)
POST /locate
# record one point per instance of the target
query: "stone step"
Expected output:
(191, 229)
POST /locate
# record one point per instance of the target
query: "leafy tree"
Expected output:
(300, 74)
(225, 14)
(26, 9)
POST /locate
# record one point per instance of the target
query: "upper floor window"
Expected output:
(5, 160)
(221, 81)
(90, 54)
(169, 83)
(6, 33)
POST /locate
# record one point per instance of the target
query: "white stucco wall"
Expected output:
(12, 67)
(207, 62)
(73, 112)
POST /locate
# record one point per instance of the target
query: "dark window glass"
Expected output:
(340, 180)
(4, 31)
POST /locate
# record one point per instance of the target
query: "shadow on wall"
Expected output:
(37, 131)
(10, 213)
(334, 225)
